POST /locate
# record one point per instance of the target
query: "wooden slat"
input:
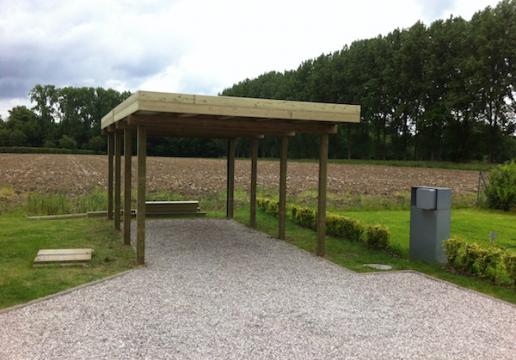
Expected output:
(140, 213)
(50, 256)
(174, 202)
(128, 152)
(62, 258)
(282, 210)
(321, 197)
(45, 252)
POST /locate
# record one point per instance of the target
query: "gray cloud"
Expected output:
(75, 51)
(198, 46)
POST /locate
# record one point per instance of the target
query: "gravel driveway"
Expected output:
(214, 289)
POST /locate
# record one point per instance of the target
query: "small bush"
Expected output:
(344, 227)
(377, 237)
(268, 205)
(501, 190)
(304, 217)
(492, 263)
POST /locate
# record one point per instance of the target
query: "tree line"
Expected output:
(440, 92)
(67, 117)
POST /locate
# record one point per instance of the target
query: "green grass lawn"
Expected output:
(474, 225)
(354, 255)
(20, 240)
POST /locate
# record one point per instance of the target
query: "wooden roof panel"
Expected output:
(190, 106)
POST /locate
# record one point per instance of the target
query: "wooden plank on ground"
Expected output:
(64, 251)
(62, 256)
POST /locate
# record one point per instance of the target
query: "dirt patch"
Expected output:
(77, 174)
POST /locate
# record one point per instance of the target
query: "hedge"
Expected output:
(377, 237)
(374, 236)
(492, 263)
(43, 150)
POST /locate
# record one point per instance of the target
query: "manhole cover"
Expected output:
(378, 266)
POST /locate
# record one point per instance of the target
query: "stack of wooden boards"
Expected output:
(180, 208)
(63, 256)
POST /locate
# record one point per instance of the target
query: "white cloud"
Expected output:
(197, 46)
(8, 103)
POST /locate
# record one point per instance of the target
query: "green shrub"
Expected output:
(304, 217)
(510, 265)
(268, 205)
(501, 189)
(492, 263)
(453, 247)
(344, 227)
(377, 237)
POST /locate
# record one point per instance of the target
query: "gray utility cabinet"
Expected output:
(430, 217)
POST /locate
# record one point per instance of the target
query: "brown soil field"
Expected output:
(77, 174)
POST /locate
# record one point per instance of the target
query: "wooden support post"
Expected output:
(282, 210)
(118, 171)
(230, 194)
(321, 198)
(110, 151)
(254, 176)
(140, 210)
(128, 152)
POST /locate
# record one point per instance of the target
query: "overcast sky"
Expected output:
(191, 46)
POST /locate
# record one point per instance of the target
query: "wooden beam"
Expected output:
(140, 207)
(179, 129)
(321, 198)
(128, 152)
(118, 170)
(186, 115)
(282, 209)
(230, 194)
(254, 177)
(218, 134)
(110, 151)
(206, 123)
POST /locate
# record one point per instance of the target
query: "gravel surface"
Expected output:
(215, 289)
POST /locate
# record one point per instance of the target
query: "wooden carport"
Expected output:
(180, 115)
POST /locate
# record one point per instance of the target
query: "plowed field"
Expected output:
(77, 174)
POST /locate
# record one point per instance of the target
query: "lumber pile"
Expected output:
(63, 257)
(180, 208)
